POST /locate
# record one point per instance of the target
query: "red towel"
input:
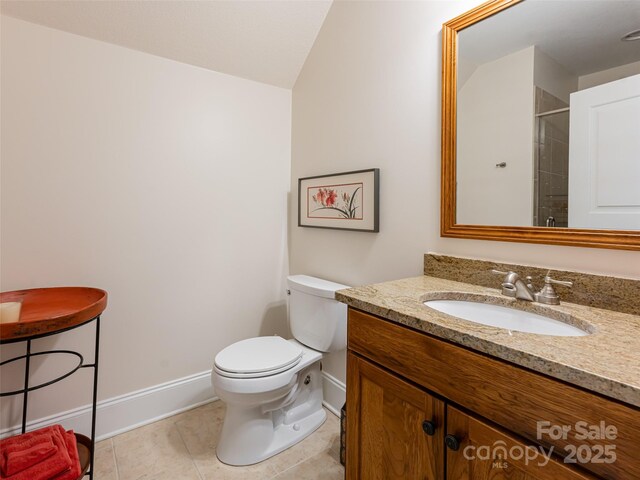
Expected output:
(74, 471)
(62, 465)
(19, 457)
(5, 443)
(20, 443)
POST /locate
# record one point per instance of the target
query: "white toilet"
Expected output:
(272, 386)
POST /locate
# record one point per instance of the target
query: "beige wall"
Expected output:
(163, 183)
(609, 75)
(369, 96)
(552, 77)
(496, 123)
(496, 102)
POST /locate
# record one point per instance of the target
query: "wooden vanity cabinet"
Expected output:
(398, 378)
(495, 463)
(395, 430)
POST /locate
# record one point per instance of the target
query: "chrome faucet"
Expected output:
(513, 286)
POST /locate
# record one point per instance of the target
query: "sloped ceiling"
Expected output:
(265, 41)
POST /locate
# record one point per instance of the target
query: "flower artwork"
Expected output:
(342, 201)
(336, 201)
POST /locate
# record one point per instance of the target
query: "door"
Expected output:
(604, 156)
(394, 429)
(478, 451)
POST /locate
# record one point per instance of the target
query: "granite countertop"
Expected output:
(607, 361)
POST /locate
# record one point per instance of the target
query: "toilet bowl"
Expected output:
(273, 387)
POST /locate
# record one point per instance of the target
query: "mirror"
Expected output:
(541, 123)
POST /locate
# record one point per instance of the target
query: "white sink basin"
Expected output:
(504, 317)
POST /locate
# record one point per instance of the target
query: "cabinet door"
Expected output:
(478, 451)
(394, 429)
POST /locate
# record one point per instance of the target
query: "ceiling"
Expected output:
(265, 41)
(582, 35)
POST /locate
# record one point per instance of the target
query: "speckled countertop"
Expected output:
(607, 361)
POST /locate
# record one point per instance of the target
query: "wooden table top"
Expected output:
(48, 310)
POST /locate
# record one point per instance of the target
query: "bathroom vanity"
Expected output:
(433, 396)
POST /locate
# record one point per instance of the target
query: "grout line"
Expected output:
(275, 477)
(274, 474)
(186, 447)
(115, 459)
(328, 451)
(292, 466)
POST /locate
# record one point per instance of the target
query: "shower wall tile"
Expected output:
(551, 159)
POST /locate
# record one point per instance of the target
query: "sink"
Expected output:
(505, 317)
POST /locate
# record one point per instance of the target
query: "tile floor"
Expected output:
(182, 447)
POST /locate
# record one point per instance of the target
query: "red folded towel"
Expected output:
(7, 442)
(74, 471)
(26, 455)
(9, 463)
(62, 464)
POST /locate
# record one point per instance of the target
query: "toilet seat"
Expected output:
(257, 357)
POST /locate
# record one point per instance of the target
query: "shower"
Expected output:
(551, 161)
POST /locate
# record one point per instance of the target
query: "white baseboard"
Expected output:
(126, 412)
(132, 410)
(334, 392)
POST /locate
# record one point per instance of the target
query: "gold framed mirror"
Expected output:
(573, 232)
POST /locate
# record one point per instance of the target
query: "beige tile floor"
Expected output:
(182, 447)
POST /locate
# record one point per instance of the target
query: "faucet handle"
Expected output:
(548, 294)
(500, 272)
(549, 280)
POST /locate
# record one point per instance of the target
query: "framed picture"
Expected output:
(344, 201)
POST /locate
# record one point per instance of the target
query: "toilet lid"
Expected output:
(258, 356)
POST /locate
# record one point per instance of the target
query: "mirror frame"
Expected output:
(616, 239)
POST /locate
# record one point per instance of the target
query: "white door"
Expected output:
(604, 156)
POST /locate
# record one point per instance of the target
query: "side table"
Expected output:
(52, 311)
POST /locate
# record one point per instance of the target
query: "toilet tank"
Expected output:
(316, 319)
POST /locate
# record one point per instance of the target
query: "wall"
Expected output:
(553, 77)
(369, 96)
(609, 75)
(497, 101)
(495, 124)
(164, 184)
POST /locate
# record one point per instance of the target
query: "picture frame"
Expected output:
(341, 201)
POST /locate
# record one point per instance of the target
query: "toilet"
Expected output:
(273, 387)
